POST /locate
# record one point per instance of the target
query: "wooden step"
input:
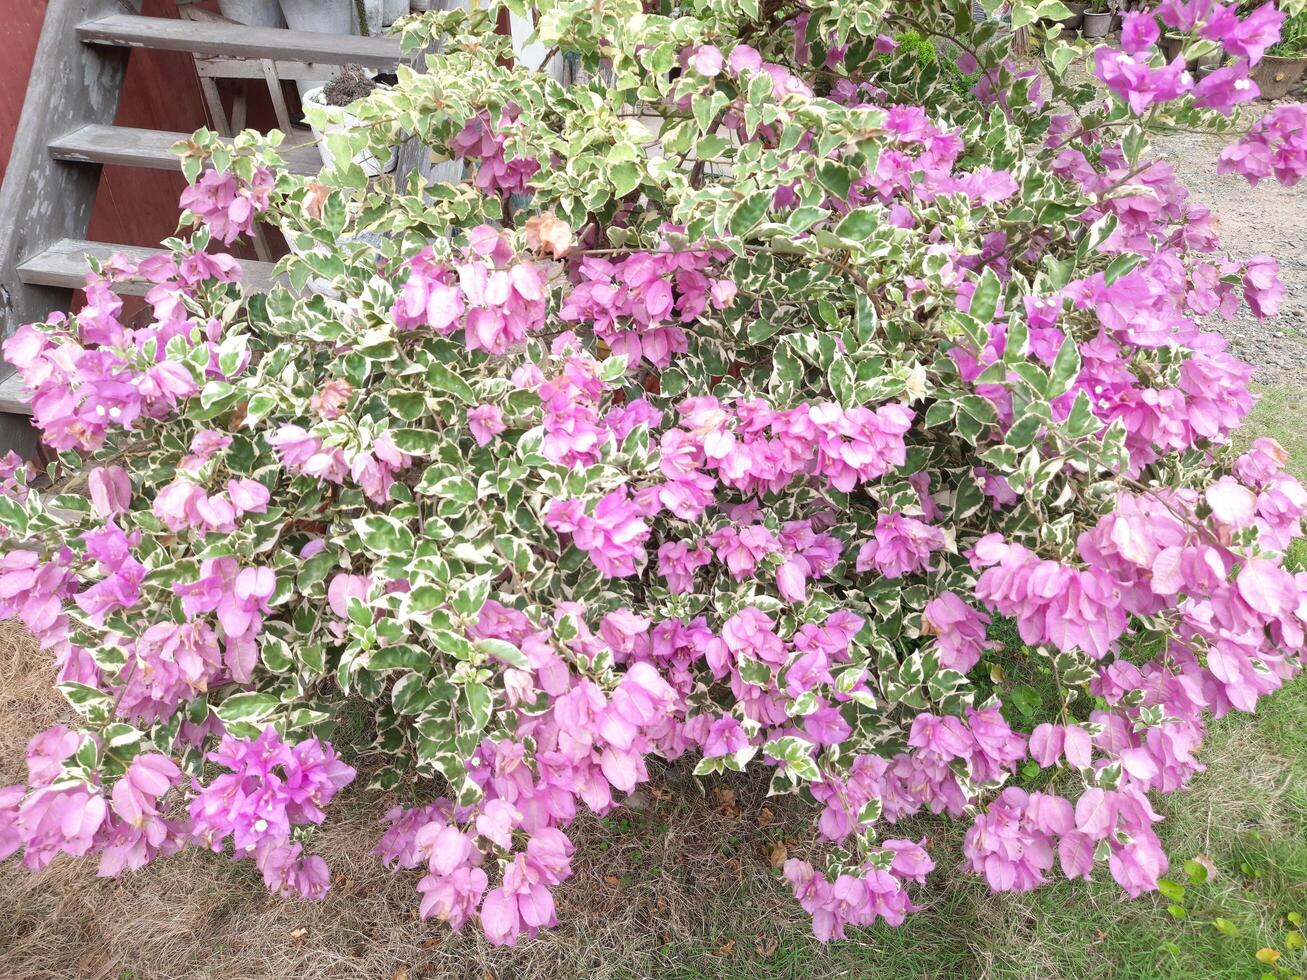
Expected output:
(239, 41)
(13, 400)
(150, 148)
(63, 264)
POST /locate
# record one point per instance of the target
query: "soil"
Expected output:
(1268, 219)
(353, 83)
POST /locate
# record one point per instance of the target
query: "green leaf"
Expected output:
(472, 595)
(504, 651)
(1197, 872)
(1026, 699)
(625, 177)
(479, 703)
(1225, 926)
(748, 213)
(247, 706)
(859, 224)
(415, 442)
(383, 535)
(443, 379)
(984, 301)
(90, 702)
(1171, 889)
(836, 178)
(796, 754)
(409, 695)
(1066, 368)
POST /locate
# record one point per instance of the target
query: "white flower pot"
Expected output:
(340, 119)
(253, 13)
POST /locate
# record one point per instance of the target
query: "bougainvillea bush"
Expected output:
(720, 411)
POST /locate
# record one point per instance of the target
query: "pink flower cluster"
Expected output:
(497, 299)
(959, 631)
(634, 304)
(239, 597)
(173, 663)
(1128, 74)
(373, 469)
(483, 143)
(1012, 843)
(1276, 146)
(613, 535)
(271, 788)
(901, 545)
(90, 373)
(981, 742)
(228, 204)
(54, 815)
(588, 744)
(183, 505)
(877, 892)
(754, 448)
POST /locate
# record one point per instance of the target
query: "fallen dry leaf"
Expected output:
(779, 853)
(766, 817)
(726, 802)
(315, 198)
(431, 943)
(659, 793)
(1209, 864)
(401, 973)
(297, 937)
(548, 235)
(613, 880)
(766, 946)
(726, 948)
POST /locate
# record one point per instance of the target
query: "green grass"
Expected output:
(1245, 817)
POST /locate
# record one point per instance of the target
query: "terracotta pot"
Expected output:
(1097, 24)
(1276, 76)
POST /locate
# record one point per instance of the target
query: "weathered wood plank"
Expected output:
(42, 198)
(239, 41)
(151, 148)
(287, 71)
(63, 264)
(13, 400)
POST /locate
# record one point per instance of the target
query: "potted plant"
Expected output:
(1098, 19)
(253, 13)
(1284, 64)
(333, 101)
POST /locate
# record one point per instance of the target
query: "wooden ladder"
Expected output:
(66, 133)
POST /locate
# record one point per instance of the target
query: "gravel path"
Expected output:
(1264, 220)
